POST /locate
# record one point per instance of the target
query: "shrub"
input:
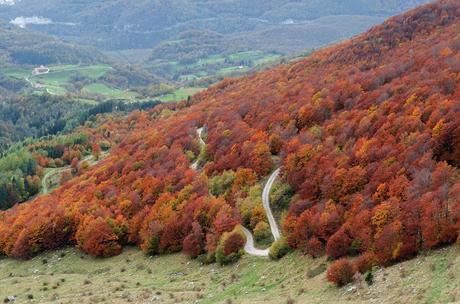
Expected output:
(281, 196)
(193, 244)
(314, 247)
(339, 244)
(59, 162)
(230, 247)
(84, 165)
(279, 249)
(250, 206)
(369, 278)
(96, 237)
(105, 145)
(262, 232)
(207, 258)
(138, 165)
(275, 144)
(364, 262)
(340, 272)
(222, 184)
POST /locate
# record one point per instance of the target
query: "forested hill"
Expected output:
(366, 133)
(23, 46)
(143, 24)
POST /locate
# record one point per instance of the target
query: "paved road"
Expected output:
(199, 131)
(45, 187)
(249, 246)
(200, 136)
(266, 203)
(37, 85)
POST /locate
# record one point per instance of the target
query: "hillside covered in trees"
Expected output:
(23, 46)
(366, 133)
(34, 137)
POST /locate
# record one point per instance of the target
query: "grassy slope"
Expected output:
(216, 65)
(59, 77)
(134, 277)
(180, 94)
(109, 92)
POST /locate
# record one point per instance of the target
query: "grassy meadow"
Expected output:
(60, 77)
(69, 276)
(216, 65)
(180, 94)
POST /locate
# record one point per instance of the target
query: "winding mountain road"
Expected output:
(249, 247)
(45, 183)
(38, 85)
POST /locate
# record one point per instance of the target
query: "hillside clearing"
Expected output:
(69, 276)
(180, 94)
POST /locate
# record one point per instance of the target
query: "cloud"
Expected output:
(9, 2)
(22, 22)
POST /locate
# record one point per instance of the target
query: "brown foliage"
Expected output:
(95, 236)
(364, 262)
(340, 272)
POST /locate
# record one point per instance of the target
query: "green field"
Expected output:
(68, 276)
(217, 65)
(57, 81)
(19, 73)
(60, 74)
(109, 92)
(180, 94)
(60, 77)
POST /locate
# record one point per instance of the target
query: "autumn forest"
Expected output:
(366, 133)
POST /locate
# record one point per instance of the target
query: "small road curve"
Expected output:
(45, 187)
(37, 85)
(45, 183)
(249, 246)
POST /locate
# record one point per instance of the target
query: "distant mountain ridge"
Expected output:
(25, 46)
(128, 24)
